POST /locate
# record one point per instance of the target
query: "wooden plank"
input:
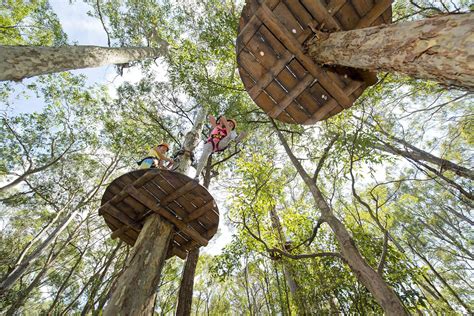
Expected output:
(378, 9)
(262, 52)
(179, 192)
(247, 33)
(335, 5)
(148, 176)
(331, 104)
(310, 104)
(115, 212)
(362, 7)
(295, 92)
(247, 79)
(185, 203)
(320, 13)
(267, 104)
(348, 17)
(265, 79)
(278, 92)
(248, 61)
(175, 251)
(294, 47)
(286, 18)
(252, 26)
(152, 205)
(199, 211)
(139, 182)
(299, 12)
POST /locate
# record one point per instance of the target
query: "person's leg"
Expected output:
(224, 142)
(206, 152)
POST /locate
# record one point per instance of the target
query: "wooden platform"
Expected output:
(129, 199)
(275, 69)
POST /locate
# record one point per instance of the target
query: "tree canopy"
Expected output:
(396, 170)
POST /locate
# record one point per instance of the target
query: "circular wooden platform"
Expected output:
(275, 69)
(129, 199)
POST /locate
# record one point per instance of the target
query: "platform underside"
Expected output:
(134, 196)
(275, 69)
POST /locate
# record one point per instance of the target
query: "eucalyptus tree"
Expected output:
(66, 188)
(436, 49)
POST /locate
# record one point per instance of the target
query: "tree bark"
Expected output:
(417, 154)
(20, 62)
(382, 293)
(185, 295)
(287, 270)
(134, 292)
(439, 49)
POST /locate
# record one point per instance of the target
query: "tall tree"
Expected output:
(20, 62)
(437, 49)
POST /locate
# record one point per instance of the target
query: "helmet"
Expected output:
(233, 121)
(164, 145)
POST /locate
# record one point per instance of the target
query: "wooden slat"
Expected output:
(320, 13)
(265, 80)
(148, 176)
(335, 5)
(121, 216)
(199, 211)
(294, 47)
(152, 205)
(331, 104)
(181, 191)
(248, 32)
(378, 9)
(294, 93)
(175, 251)
(299, 12)
(286, 18)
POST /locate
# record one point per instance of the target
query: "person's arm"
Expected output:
(163, 157)
(226, 124)
(212, 120)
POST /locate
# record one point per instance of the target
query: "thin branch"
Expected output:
(103, 23)
(324, 157)
(384, 254)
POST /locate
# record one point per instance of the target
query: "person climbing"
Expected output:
(223, 132)
(156, 158)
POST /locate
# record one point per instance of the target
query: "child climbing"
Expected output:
(156, 158)
(223, 132)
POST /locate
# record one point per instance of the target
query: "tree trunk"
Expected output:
(26, 292)
(287, 270)
(366, 275)
(20, 62)
(438, 49)
(135, 290)
(191, 140)
(98, 277)
(18, 271)
(432, 268)
(416, 154)
(185, 296)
